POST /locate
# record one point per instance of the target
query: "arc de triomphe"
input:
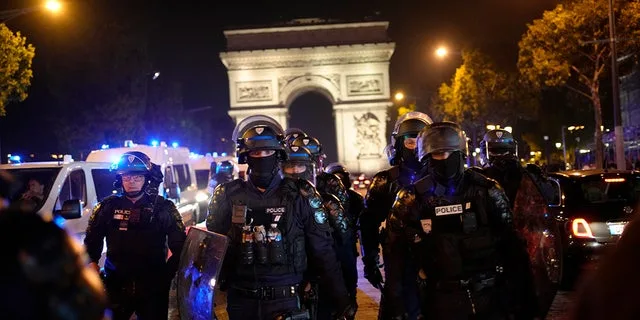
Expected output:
(348, 63)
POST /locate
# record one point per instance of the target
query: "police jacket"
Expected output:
(378, 202)
(137, 235)
(295, 208)
(510, 177)
(455, 232)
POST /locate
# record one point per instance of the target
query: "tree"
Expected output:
(15, 67)
(565, 48)
(479, 94)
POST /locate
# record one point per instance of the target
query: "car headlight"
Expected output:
(202, 196)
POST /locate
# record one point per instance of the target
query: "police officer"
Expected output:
(137, 227)
(300, 165)
(356, 201)
(379, 199)
(499, 155)
(276, 226)
(458, 224)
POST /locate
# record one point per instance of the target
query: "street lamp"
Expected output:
(53, 6)
(441, 52)
(399, 96)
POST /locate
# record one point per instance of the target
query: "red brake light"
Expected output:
(581, 229)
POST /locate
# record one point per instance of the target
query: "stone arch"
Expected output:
(303, 84)
(348, 63)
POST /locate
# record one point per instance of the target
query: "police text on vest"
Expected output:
(447, 210)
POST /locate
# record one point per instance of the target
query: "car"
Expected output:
(591, 210)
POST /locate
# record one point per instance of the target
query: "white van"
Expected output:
(179, 183)
(70, 189)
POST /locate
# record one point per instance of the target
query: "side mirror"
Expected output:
(173, 192)
(71, 209)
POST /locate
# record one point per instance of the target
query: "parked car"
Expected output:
(591, 211)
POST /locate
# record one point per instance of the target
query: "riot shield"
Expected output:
(200, 264)
(539, 229)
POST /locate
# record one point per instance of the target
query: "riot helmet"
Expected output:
(224, 171)
(256, 133)
(133, 164)
(299, 164)
(403, 138)
(498, 144)
(442, 147)
(263, 138)
(291, 134)
(341, 171)
(313, 145)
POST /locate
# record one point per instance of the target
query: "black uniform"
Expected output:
(336, 201)
(378, 201)
(471, 260)
(137, 272)
(263, 278)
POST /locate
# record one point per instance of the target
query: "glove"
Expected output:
(372, 273)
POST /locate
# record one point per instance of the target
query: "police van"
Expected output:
(65, 191)
(179, 183)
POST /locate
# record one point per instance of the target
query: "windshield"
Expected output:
(34, 185)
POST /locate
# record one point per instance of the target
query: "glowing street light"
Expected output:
(442, 52)
(558, 145)
(399, 96)
(53, 6)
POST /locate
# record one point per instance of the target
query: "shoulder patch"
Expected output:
(320, 217)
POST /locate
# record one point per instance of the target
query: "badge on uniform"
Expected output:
(239, 214)
(426, 225)
(449, 210)
(123, 216)
(276, 213)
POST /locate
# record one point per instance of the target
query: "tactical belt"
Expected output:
(269, 293)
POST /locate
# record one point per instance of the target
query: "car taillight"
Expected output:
(580, 228)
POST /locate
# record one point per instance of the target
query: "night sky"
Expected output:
(187, 38)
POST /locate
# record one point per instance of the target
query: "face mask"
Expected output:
(448, 168)
(410, 159)
(262, 170)
(504, 162)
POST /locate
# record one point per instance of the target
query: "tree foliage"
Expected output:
(479, 94)
(15, 67)
(565, 48)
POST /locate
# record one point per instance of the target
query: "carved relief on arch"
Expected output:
(293, 85)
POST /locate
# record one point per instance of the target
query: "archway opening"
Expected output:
(313, 113)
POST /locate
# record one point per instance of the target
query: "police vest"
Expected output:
(265, 238)
(459, 242)
(135, 238)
